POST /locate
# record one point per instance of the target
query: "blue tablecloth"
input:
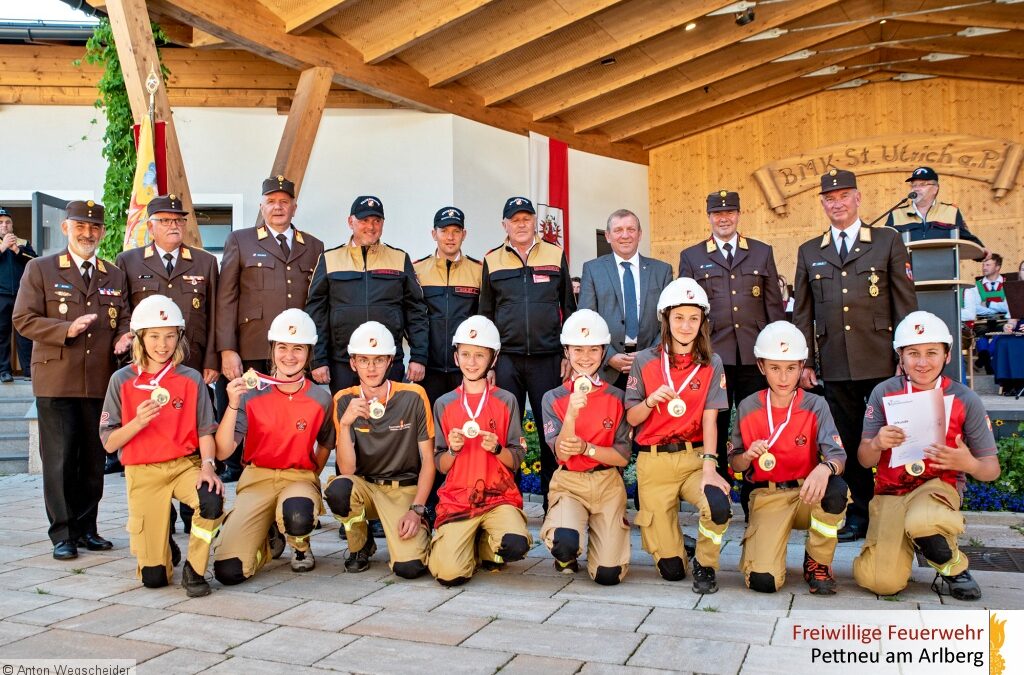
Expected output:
(1007, 357)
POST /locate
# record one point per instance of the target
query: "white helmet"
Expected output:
(371, 339)
(585, 328)
(293, 326)
(918, 328)
(683, 291)
(156, 311)
(781, 341)
(479, 331)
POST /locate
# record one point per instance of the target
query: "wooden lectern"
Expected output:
(936, 264)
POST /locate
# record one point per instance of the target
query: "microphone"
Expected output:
(912, 196)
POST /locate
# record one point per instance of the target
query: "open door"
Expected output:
(48, 213)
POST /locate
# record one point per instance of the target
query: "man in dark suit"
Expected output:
(852, 286)
(15, 253)
(74, 307)
(742, 284)
(629, 305)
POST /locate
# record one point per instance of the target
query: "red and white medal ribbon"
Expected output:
(264, 381)
(377, 409)
(154, 383)
(585, 383)
(471, 429)
(668, 374)
(773, 433)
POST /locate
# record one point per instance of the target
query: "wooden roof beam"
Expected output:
(991, 16)
(490, 35)
(253, 27)
(971, 68)
(413, 25)
(703, 72)
(754, 80)
(633, 23)
(714, 36)
(311, 16)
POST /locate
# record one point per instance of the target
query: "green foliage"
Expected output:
(118, 144)
(1011, 459)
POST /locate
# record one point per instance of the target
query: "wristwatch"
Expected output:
(211, 461)
(591, 450)
(497, 450)
(418, 509)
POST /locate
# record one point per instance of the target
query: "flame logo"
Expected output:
(373, 342)
(784, 347)
(472, 333)
(919, 329)
(585, 331)
(163, 315)
(292, 330)
(690, 295)
(996, 638)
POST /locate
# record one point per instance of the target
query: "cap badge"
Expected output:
(373, 342)
(518, 202)
(292, 330)
(585, 331)
(722, 193)
(163, 315)
(919, 329)
(833, 172)
(90, 203)
(371, 203)
(280, 179)
(689, 295)
(783, 347)
(172, 197)
(472, 334)
(451, 213)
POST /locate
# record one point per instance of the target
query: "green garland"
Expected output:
(118, 142)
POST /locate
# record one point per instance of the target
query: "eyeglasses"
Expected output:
(377, 361)
(167, 221)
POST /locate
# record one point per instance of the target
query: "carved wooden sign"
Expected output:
(989, 160)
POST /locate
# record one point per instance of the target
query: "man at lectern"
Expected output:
(926, 218)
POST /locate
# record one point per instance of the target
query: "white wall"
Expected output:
(415, 162)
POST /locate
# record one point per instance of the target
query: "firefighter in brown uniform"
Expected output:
(451, 288)
(74, 307)
(526, 291)
(264, 271)
(185, 274)
(853, 286)
(742, 284)
(365, 280)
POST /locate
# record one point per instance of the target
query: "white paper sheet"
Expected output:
(923, 417)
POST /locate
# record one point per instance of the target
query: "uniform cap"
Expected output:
(838, 179)
(584, 328)
(479, 331)
(5, 212)
(279, 183)
(292, 326)
(781, 341)
(683, 291)
(918, 328)
(156, 311)
(165, 204)
(365, 206)
(514, 205)
(723, 200)
(371, 339)
(923, 173)
(449, 215)
(85, 211)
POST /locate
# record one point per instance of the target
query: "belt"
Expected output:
(781, 485)
(685, 446)
(405, 482)
(599, 467)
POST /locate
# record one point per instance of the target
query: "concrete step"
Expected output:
(14, 452)
(15, 404)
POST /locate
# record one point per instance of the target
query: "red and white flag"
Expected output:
(549, 188)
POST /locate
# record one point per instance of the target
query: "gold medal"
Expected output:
(62, 308)
(873, 291)
(471, 429)
(160, 396)
(251, 379)
(113, 323)
(376, 410)
(766, 461)
(873, 279)
(112, 312)
(676, 407)
(914, 468)
(195, 303)
(756, 291)
(582, 384)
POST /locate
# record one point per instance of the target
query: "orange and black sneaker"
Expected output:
(818, 577)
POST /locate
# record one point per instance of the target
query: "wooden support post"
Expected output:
(304, 114)
(136, 50)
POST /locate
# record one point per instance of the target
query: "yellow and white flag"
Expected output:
(144, 188)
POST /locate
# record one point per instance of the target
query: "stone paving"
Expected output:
(526, 619)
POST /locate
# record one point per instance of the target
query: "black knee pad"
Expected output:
(762, 582)
(672, 569)
(607, 576)
(211, 504)
(409, 569)
(339, 496)
(448, 583)
(565, 545)
(834, 499)
(513, 547)
(718, 503)
(154, 577)
(298, 516)
(229, 572)
(935, 548)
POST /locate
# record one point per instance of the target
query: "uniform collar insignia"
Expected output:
(298, 237)
(64, 261)
(186, 254)
(261, 233)
(711, 246)
(827, 239)
(743, 242)
(150, 251)
(100, 266)
(865, 234)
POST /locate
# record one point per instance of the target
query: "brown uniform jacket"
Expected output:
(192, 285)
(78, 367)
(838, 311)
(257, 283)
(744, 298)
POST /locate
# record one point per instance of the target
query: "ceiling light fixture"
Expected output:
(691, 25)
(608, 61)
